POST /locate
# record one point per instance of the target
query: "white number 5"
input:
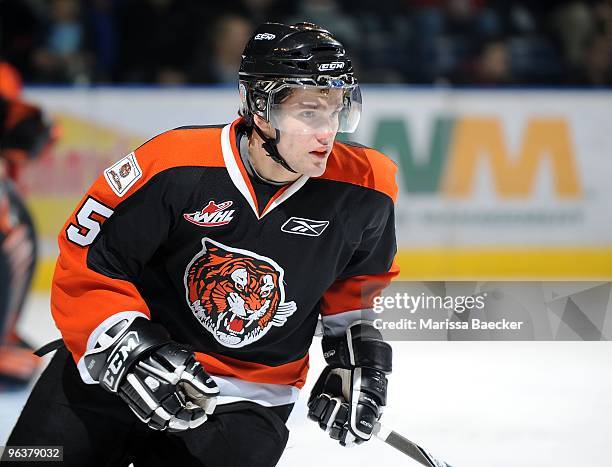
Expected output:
(86, 222)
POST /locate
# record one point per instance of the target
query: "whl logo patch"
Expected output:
(301, 226)
(213, 215)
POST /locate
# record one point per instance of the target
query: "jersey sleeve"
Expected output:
(119, 224)
(369, 271)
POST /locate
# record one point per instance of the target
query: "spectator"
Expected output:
(597, 64)
(102, 34)
(328, 14)
(263, 10)
(417, 41)
(493, 64)
(574, 25)
(63, 56)
(230, 33)
(21, 29)
(157, 40)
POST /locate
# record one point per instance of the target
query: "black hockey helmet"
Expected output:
(301, 50)
(279, 58)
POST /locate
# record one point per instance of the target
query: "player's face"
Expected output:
(308, 124)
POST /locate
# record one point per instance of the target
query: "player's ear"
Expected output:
(264, 126)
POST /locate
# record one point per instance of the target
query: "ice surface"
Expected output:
(472, 404)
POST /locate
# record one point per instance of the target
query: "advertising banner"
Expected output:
(493, 184)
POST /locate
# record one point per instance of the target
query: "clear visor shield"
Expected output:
(301, 109)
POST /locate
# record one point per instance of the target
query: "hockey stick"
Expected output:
(406, 446)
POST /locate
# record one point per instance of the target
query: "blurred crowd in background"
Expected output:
(173, 42)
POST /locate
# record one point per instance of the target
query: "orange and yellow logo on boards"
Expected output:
(459, 145)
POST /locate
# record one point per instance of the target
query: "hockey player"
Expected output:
(25, 133)
(193, 273)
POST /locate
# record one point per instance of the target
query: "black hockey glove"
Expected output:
(160, 380)
(349, 396)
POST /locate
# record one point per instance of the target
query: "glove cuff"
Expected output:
(361, 347)
(124, 344)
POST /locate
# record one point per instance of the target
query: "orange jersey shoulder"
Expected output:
(185, 146)
(363, 166)
(181, 147)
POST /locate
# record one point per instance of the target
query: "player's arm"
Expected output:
(349, 396)
(121, 222)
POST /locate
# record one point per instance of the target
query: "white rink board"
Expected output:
(473, 404)
(585, 118)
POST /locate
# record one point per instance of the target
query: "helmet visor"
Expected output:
(307, 109)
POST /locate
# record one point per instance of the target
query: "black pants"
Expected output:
(97, 428)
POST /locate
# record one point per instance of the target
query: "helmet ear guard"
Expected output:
(252, 101)
(260, 104)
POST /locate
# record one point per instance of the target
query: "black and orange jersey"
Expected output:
(173, 232)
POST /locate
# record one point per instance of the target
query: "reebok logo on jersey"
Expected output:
(301, 226)
(123, 174)
(213, 215)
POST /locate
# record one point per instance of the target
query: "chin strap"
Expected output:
(269, 145)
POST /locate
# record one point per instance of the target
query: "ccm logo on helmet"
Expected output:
(265, 36)
(331, 66)
(117, 364)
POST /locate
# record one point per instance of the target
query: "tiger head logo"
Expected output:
(237, 295)
(125, 170)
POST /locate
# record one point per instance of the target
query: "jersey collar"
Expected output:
(240, 178)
